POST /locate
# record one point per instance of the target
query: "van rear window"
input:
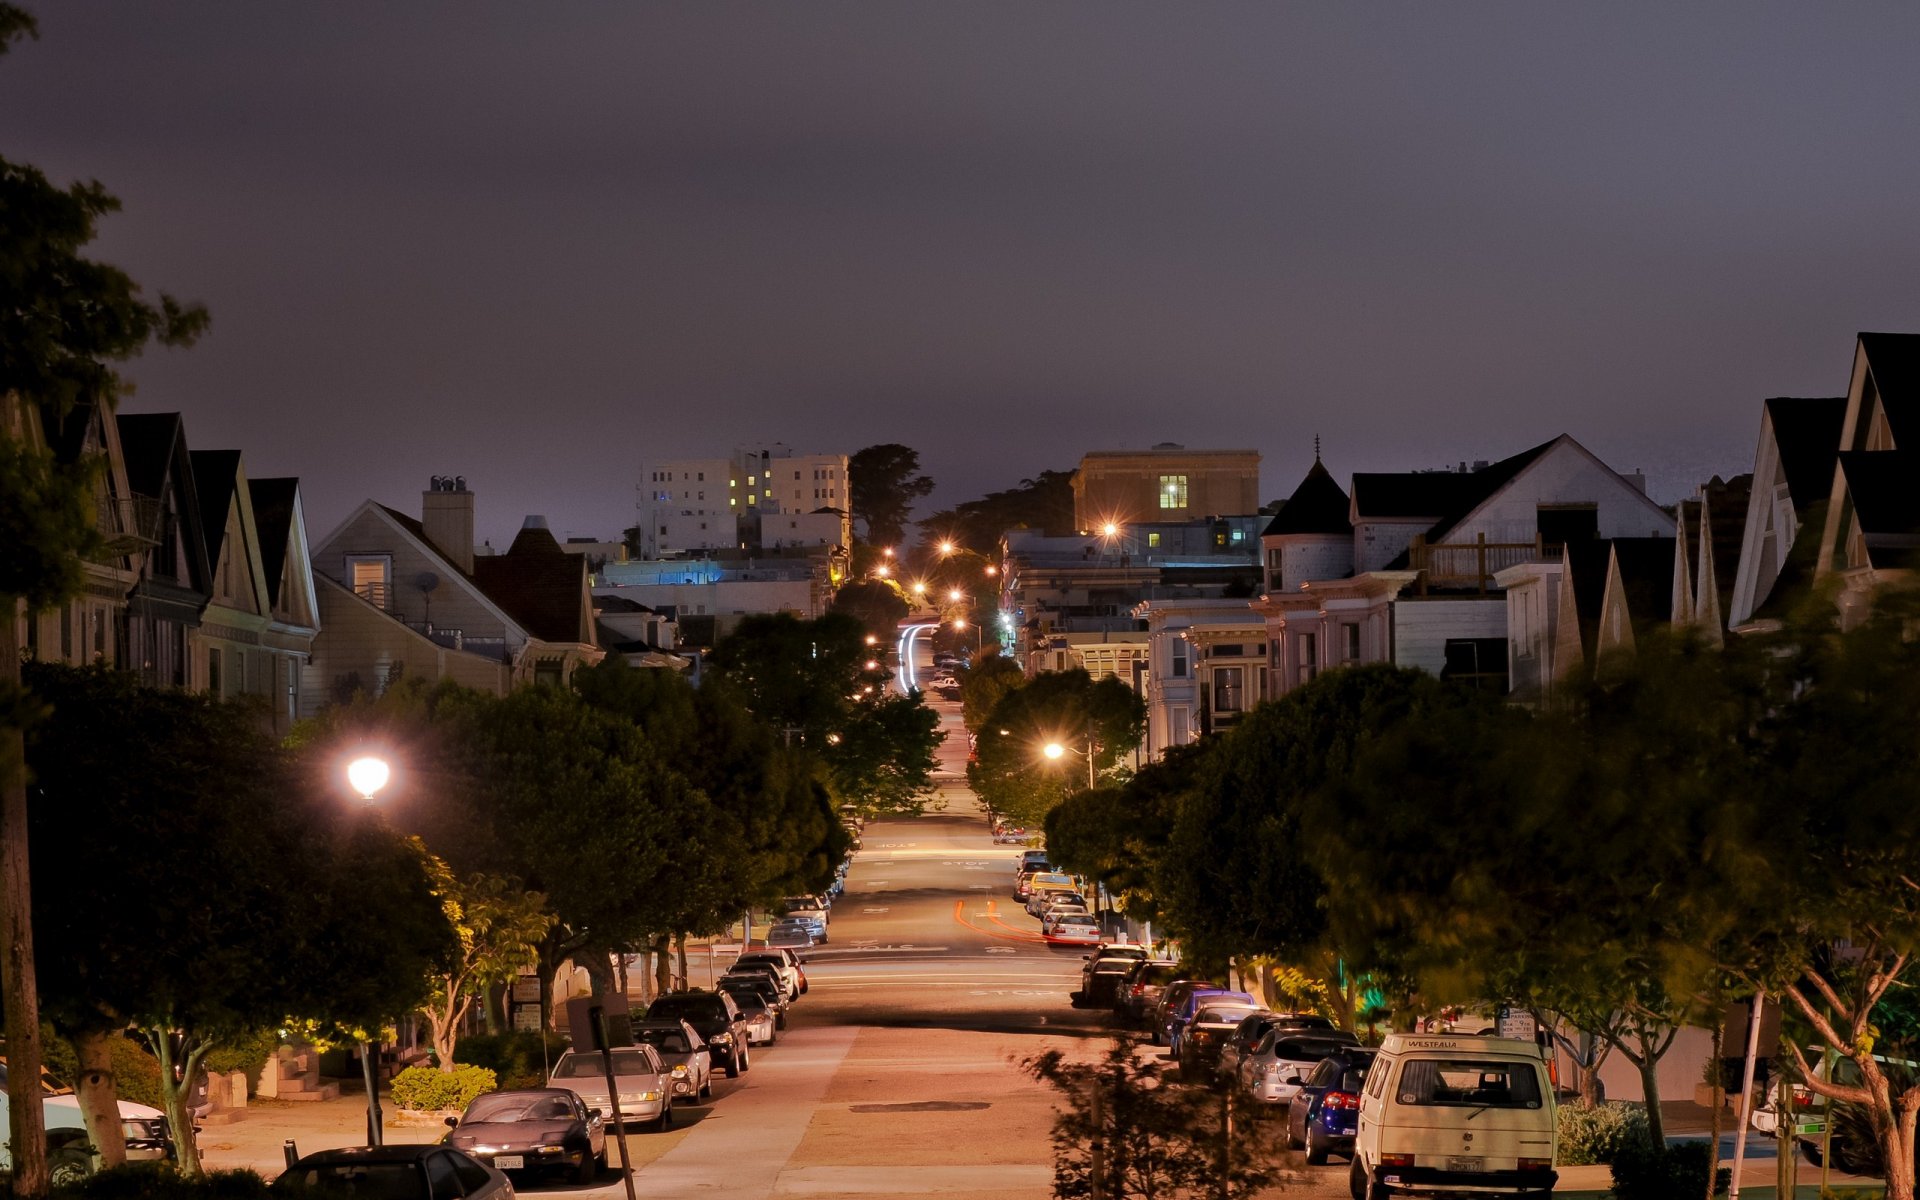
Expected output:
(1469, 1083)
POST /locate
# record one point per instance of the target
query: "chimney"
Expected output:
(446, 511)
(1637, 480)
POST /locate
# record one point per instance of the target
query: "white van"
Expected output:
(1455, 1116)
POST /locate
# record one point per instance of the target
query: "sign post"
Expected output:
(587, 1020)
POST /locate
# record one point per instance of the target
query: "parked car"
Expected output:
(1203, 1035)
(404, 1172)
(1443, 1114)
(70, 1156)
(793, 935)
(763, 1020)
(1139, 991)
(1171, 996)
(788, 964)
(1324, 1114)
(1254, 1029)
(715, 1017)
(1283, 1060)
(775, 979)
(1062, 912)
(806, 906)
(1039, 902)
(737, 984)
(1101, 977)
(1033, 860)
(685, 1054)
(645, 1085)
(535, 1130)
(1181, 1017)
(1081, 930)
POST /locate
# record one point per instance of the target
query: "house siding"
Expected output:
(1422, 628)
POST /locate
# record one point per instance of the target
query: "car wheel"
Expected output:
(600, 1160)
(588, 1170)
(1293, 1140)
(780, 1022)
(706, 1087)
(733, 1065)
(1316, 1151)
(68, 1166)
(1159, 1038)
(746, 1059)
(666, 1116)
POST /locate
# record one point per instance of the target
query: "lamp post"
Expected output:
(1056, 751)
(979, 639)
(367, 775)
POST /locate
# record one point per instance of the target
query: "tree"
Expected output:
(1044, 502)
(883, 481)
(1117, 834)
(1126, 1133)
(808, 682)
(499, 926)
(1010, 770)
(316, 913)
(983, 684)
(66, 318)
(877, 604)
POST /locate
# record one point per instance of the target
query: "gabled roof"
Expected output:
(1727, 521)
(214, 474)
(618, 604)
(1318, 505)
(1587, 580)
(535, 583)
(273, 517)
(1806, 432)
(1443, 496)
(1884, 486)
(1894, 359)
(148, 441)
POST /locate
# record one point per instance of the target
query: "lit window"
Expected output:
(752, 480)
(1153, 540)
(1173, 491)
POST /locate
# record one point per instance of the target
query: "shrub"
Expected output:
(429, 1089)
(1646, 1172)
(514, 1057)
(160, 1181)
(246, 1055)
(1599, 1134)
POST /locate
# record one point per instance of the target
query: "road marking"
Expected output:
(873, 910)
(1001, 950)
(878, 882)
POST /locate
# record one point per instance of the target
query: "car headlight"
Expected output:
(680, 1070)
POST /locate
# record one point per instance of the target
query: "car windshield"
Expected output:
(364, 1181)
(1153, 974)
(689, 1008)
(1469, 1083)
(746, 998)
(502, 1107)
(590, 1065)
(667, 1041)
(1304, 1050)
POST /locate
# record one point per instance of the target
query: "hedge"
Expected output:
(429, 1089)
(161, 1181)
(514, 1057)
(1645, 1172)
(1600, 1134)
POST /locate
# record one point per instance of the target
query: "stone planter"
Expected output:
(1703, 1095)
(421, 1117)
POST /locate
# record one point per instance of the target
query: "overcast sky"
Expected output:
(539, 244)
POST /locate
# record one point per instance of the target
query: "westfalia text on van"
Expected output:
(1455, 1116)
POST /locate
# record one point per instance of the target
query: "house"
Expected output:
(1707, 537)
(91, 627)
(423, 602)
(1872, 527)
(1205, 668)
(293, 608)
(1417, 576)
(1056, 590)
(1792, 481)
(643, 637)
(174, 581)
(1121, 653)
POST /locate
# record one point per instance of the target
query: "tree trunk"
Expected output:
(662, 965)
(1713, 1123)
(444, 1019)
(495, 1007)
(1897, 1147)
(99, 1101)
(544, 970)
(599, 971)
(680, 953)
(1650, 1089)
(174, 1095)
(19, 994)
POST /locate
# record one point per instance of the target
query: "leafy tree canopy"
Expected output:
(1010, 770)
(883, 481)
(1044, 502)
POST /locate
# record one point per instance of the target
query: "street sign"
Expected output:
(1809, 1128)
(1517, 1023)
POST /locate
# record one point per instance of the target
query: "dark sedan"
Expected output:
(1325, 1112)
(540, 1129)
(1206, 1033)
(393, 1173)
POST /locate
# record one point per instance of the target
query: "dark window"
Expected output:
(1473, 1083)
(1574, 523)
(442, 1180)
(1353, 641)
(471, 1173)
(1477, 662)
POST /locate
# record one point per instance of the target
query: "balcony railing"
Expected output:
(1470, 566)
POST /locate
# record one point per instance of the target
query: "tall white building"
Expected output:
(763, 497)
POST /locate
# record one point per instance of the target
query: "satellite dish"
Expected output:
(426, 581)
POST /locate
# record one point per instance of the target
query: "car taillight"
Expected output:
(1396, 1160)
(1341, 1100)
(1535, 1164)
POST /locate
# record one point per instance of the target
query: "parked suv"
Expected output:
(785, 961)
(1137, 994)
(1325, 1112)
(1444, 1114)
(715, 1017)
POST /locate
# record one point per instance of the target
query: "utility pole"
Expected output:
(27, 1128)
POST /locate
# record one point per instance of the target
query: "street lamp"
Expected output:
(1055, 751)
(979, 641)
(883, 570)
(367, 775)
(956, 595)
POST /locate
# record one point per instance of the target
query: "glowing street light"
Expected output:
(883, 570)
(956, 594)
(872, 640)
(1055, 750)
(888, 551)
(1109, 529)
(367, 775)
(919, 588)
(873, 664)
(947, 547)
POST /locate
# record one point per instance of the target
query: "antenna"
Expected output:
(426, 581)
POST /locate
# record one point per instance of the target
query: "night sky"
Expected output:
(537, 244)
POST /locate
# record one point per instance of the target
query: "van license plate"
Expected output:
(1466, 1163)
(509, 1162)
